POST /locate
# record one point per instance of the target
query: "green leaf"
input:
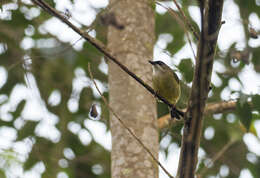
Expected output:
(51, 3)
(243, 98)
(40, 149)
(27, 130)
(2, 174)
(186, 68)
(19, 109)
(244, 114)
(255, 59)
(30, 162)
(256, 102)
(18, 20)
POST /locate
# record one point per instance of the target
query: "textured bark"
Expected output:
(211, 22)
(133, 46)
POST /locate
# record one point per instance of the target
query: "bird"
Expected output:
(166, 83)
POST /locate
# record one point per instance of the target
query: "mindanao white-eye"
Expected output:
(166, 83)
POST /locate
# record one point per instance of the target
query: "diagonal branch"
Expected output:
(211, 12)
(188, 23)
(101, 47)
(181, 23)
(216, 157)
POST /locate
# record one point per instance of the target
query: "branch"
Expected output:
(101, 47)
(211, 108)
(220, 107)
(125, 126)
(188, 23)
(216, 157)
(183, 20)
(210, 25)
(181, 23)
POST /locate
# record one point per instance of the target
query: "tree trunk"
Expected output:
(133, 46)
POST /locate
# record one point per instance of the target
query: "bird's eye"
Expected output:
(160, 63)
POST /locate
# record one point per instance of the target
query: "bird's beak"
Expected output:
(151, 62)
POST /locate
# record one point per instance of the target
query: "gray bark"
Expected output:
(133, 46)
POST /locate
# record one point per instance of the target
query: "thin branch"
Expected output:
(9, 68)
(186, 20)
(217, 156)
(57, 53)
(220, 107)
(211, 108)
(181, 23)
(211, 12)
(101, 47)
(125, 126)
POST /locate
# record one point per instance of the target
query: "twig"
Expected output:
(125, 126)
(186, 20)
(181, 23)
(38, 56)
(17, 63)
(97, 44)
(183, 19)
(217, 156)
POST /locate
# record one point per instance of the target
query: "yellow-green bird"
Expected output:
(166, 83)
